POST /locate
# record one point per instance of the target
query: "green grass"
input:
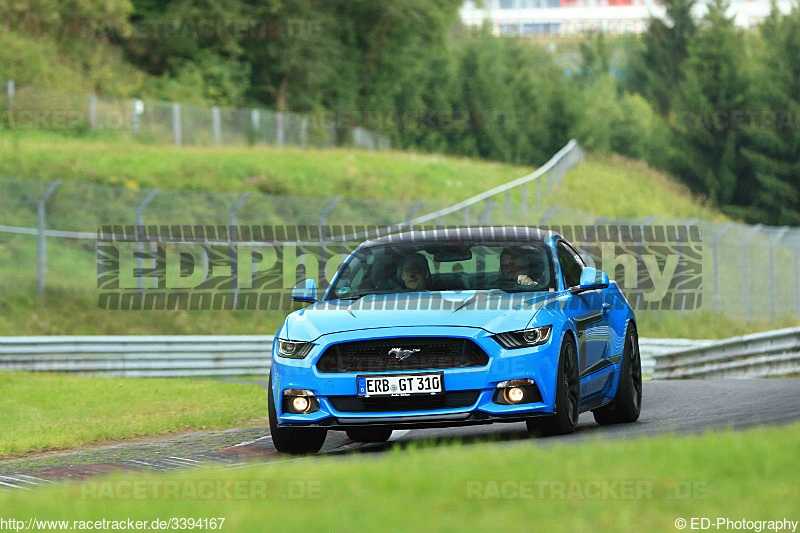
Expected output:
(704, 324)
(605, 185)
(44, 411)
(750, 475)
(270, 170)
(615, 186)
(618, 187)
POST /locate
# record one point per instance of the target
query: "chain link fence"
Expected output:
(24, 107)
(48, 232)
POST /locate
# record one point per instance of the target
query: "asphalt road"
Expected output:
(668, 407)
(692, 406)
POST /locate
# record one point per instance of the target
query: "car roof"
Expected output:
(455, 234)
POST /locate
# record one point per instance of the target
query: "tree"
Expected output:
(656, 70)
(707, 148)
(595, 58)
(772, 193)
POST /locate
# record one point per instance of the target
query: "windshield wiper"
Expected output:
(538, 289)
(358, 297)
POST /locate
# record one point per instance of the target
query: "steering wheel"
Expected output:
(506, 281)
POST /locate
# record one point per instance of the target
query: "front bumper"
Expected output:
(539, 363)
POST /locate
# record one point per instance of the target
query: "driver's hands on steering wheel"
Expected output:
(522, 279)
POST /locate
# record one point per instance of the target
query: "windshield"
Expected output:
(440, 266)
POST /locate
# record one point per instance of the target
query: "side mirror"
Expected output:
(305, 291)
(591, 278)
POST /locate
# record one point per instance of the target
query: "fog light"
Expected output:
(514, 395)
(517, 392)
(300, 404)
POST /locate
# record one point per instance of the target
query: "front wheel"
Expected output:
(568, 390)
(296, 441)
(628, 404)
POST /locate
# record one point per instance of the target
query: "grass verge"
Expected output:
(44, 411)
(616, 186)
(636, 485)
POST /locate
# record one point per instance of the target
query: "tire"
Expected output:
(627, 406)
(568, 393)
(295, 441)
(369, 434)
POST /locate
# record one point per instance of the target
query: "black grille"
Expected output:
(447, 400)
(373, 355)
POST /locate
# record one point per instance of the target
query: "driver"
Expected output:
(414, 272)
(516, 264)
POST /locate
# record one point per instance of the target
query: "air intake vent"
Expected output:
(428, 353)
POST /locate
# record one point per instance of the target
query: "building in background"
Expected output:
(535, 18)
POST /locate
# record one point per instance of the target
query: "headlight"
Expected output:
(293, 349)
(524, 338)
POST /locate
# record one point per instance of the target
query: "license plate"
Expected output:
(400, 385)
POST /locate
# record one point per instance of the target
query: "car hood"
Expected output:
(493, 311)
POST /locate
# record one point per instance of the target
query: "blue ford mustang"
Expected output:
(451, 327)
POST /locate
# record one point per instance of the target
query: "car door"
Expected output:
(591, 321)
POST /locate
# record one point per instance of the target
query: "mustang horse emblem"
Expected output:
(401, 354)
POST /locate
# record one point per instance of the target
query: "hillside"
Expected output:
(611, 186)
(604, 185)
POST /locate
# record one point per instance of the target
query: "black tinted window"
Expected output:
(570, 267)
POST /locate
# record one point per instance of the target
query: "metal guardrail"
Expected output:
(773, 353)
(139, 356)
(553, 170)
(188, 355)
(767, 354)
(649, 349)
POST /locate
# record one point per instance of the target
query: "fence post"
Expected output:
(797, 281)
(323, 216)
(413, 211)
(466, 216)
(549, 183)
(42, 243)
(485, 218)
(745, 270)
(508, 203)
(549, 214)
(715, 253)
(137, 107)
(539, 191)
(683, 250)
(10, 93)
(216, 125)
(279, 128)
(773, 296)
(93, 111)
(234, 244)
(255, 122)
(524, 192)
(304, 132)
(140, 235)
(177, 134)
